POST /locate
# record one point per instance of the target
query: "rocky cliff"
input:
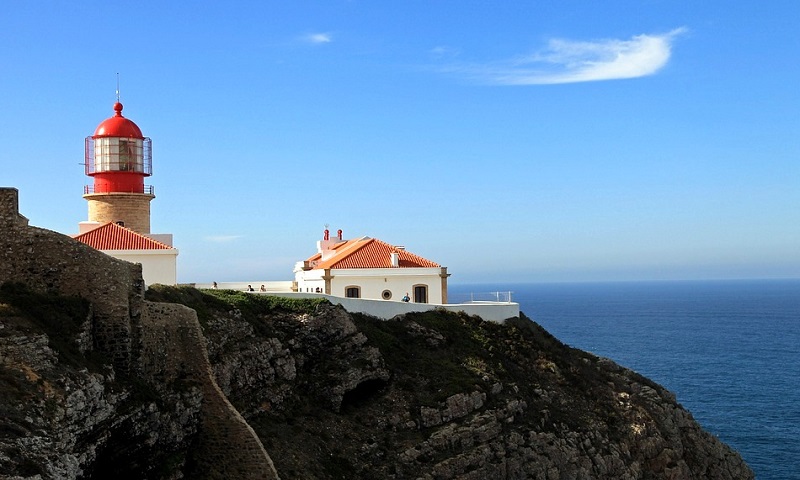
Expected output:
(441, 396)
(97, 381)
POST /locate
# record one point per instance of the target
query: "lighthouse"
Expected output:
(118, 158)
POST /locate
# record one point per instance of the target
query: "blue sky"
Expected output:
(514, 141)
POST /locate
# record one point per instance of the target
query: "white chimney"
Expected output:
(395, 258)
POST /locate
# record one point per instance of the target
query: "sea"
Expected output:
(729, 350)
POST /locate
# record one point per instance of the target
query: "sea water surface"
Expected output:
(729, 350)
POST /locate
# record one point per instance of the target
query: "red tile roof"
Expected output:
(116, 237)
(369, 253)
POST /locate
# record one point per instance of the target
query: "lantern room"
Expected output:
(118, 157)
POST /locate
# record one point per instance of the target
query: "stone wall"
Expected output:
(49, 262)
(156, 342)
(9, 208)
(173, 347)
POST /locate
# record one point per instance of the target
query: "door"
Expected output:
(420, 294)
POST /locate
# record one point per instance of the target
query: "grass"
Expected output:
(448, 355)
(252, 307)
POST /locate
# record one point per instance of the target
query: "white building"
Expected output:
(372, 269)
(158, 258)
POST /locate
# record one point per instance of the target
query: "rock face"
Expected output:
(442, 396)
(97, 381)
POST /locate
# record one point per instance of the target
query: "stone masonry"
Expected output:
(173, 346)
(155, 341)
(113, 207)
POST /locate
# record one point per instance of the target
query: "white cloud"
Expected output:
(568, 61)
(222, 238)
(318, 38)
(442, 51)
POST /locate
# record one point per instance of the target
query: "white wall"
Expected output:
(158, 266)
(373, 282)
(309, 280)
(491, 311)
(269, 285)
(397, 280)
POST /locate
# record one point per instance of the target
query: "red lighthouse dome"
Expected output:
(118, 157)
(118, 126)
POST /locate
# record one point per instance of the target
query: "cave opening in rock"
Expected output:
(363, 392)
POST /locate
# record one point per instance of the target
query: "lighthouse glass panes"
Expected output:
(117, 154)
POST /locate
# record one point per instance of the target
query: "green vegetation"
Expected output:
(193, 298)
(262, 304)
(444, 354)
(206, 302)
(435, 354)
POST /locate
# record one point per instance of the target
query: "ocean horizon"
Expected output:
(728, 349)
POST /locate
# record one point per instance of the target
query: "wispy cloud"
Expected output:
(318, 38)
(569, 61)
(443, 51)
(222, 238)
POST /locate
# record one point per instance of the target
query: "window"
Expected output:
(352, 292)
(386, 295)
(126, 157)
(102, 154)
(420, 294)
(118, 154)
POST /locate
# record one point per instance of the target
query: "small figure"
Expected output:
(214, 286)
(250, 288)
(263, 288)
(406, 298)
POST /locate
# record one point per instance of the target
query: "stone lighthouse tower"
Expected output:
(118, 158)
